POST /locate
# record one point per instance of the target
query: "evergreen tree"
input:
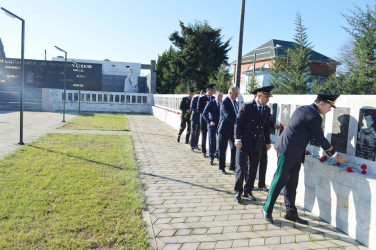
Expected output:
(362, 28)
(2, 52)
(222, 78)
(167, 80)
(200, 53)
(290, 75)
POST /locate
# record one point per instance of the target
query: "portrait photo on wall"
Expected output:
(340, 129)
(366, 137)
(285, 114)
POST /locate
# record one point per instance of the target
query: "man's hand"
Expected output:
(238, 144)
(276, 126)
(189, 111)
(268, 146)
(340, 158)
(212, 124)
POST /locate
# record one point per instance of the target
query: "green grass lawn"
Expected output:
(98, 121)
(72, 191)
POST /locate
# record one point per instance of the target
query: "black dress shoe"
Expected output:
(231, 169)
(250, 195)
(192, 149)
(178, 140)
(197, 148)
(222, 171)
(267, 217)
(211, 161)
(204, 155)
(264, 189)
(238, 199)
(296, 218)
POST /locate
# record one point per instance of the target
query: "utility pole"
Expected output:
(240, 45)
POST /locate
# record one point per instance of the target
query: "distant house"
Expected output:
(263, 58)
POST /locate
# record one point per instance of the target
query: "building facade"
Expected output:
(262, 58)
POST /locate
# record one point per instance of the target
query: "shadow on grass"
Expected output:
(77, 157)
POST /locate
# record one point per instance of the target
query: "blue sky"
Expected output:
(138, 30)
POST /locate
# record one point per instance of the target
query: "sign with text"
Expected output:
(50, 74)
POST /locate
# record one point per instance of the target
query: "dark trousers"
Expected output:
(212, 132)
(287, 175)
(244, 171)
(204, 131)
(223, 141)
(185, 123)
(262, 166)
(195, 133)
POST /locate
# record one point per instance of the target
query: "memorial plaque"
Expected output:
(313, 141)
(273, 115)
(285, 114)
(340, 129)
(50, 74)
(366, 137)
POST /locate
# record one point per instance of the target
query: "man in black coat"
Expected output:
(195, 122)
(229, 111)
(252, 131)
(202, 101)
(185, 116)
(304, 124)
(211, 116)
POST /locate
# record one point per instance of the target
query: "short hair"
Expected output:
(318, 100)
(218, 91)
(232, 89)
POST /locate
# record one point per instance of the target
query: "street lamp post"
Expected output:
(22, 71)
(240, 45)
(65, 80)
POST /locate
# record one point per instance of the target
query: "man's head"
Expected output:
(191, 93)
(263, 94)
(368, 120)
(233, 92)
(202, 92)
(219, 95)
(210, 89)
(325, 102)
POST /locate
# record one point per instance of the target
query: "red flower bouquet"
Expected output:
(281, 127)
(349, 169)
(364, 167)
(323, 158)
(338, 164)
(306, 152)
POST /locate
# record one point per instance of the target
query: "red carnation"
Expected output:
(281, 127)
(338, 163)
(323, 158)
(364, 166)
(207, 101)
(364, 171)
(306, 152)
(349, 169)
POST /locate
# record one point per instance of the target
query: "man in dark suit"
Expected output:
(202, 101)
(195, 122)
(185, 115)
(211, 116)
(229, 111)
(252, 131)
(304, 124)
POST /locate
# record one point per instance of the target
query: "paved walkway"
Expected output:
(35, 125)
(191, 205)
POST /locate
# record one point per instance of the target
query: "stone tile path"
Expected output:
(190, 205)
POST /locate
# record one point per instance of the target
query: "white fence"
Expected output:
(53, 100)
(346, 200)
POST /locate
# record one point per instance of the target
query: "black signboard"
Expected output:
(50, 74)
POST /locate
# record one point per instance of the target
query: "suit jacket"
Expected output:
(202, 101)
(227, 117)
(185, 106)
(211, 114)
(195, 116)
(304, 124)
(253, 130)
